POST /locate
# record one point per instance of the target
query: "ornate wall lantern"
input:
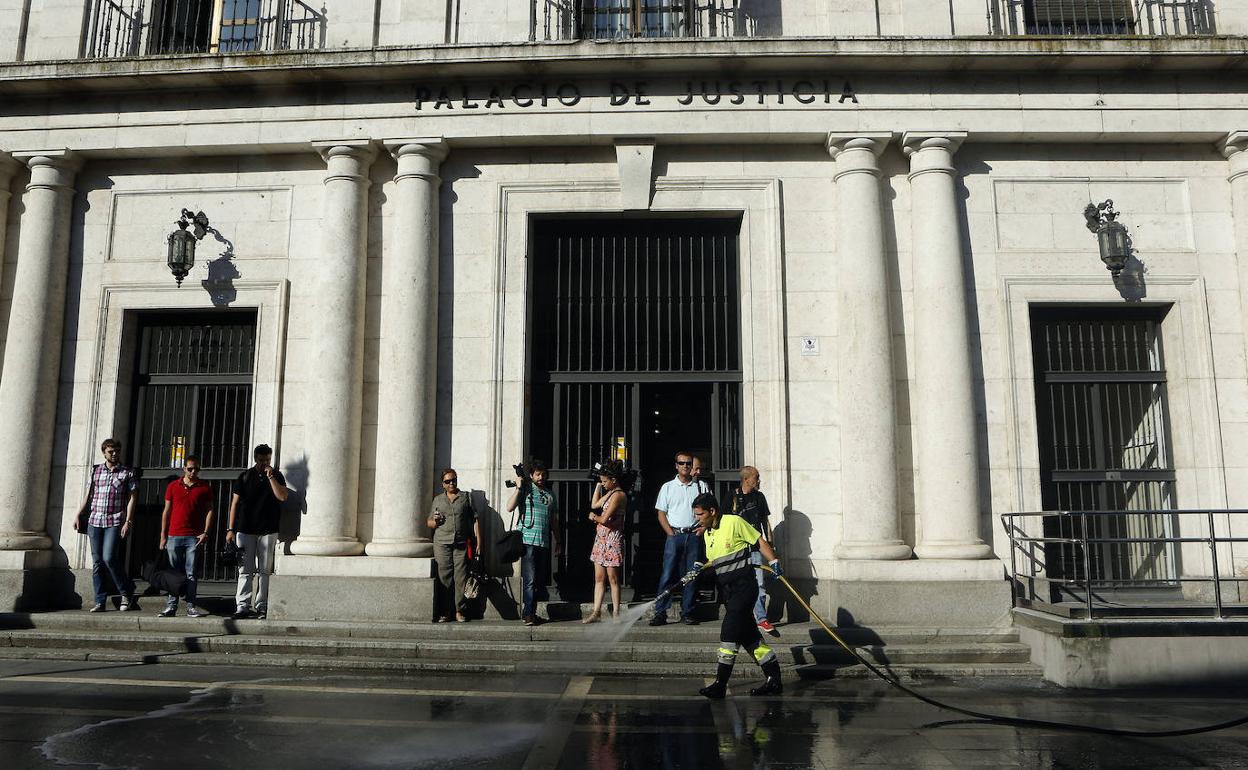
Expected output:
(1111, 235)
(181, 255)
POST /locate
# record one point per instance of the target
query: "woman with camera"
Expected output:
(607, 508)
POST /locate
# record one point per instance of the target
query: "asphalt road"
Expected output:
(57, 714)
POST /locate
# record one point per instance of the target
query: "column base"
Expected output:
(400, 547)
(40, 579)
(887, 550)
(327, 546)
(974, 549)
(24, 541)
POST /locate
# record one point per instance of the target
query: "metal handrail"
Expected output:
(1100, 564)
(1163, 18)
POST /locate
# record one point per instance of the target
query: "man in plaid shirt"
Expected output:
(111, 499)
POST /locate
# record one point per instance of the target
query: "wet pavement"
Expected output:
(55, 714)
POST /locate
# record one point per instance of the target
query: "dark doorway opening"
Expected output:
(1103, 430)
(193, 378)
(635, 354)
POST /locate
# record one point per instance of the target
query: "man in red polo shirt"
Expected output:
(184, 526)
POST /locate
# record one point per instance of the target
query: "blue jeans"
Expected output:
(760, 606)
(106, 556)
(181, 550)
(680, 553)
(530, 569)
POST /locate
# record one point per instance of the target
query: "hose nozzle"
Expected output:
(692, 574)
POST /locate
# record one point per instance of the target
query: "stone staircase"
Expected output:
(502, 647)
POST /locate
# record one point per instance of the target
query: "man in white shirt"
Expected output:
(683, 547)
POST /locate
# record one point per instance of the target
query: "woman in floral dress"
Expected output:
(607, 511)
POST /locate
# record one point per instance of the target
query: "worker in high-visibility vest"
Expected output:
(729, 540)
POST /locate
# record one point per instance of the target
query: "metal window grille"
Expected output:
(193, 395)
(120, 28)
(624, 19)
(1100, 17)
(1104, 438)
(626, 316)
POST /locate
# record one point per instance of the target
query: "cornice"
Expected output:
(659, 58)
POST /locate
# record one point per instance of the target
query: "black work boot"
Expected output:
(770, 686)
(715, 690)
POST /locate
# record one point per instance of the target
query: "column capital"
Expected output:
(347, 159)
(432, 147)
(1234, 147)
(874, 141)
(914, 141)
(418, 158)
(50, 169)
(1233, 143)
(360, 149)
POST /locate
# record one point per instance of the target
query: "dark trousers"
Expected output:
(680, 553)
(532, 586)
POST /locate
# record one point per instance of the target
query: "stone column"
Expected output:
(1235, 148)
(408, 390)
(943, 398)
(869, 526)
(32, 352)
(334, 398)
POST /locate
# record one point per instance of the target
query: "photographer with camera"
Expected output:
(539, 524)
(453, 522)
(607, 508)
(683, 548)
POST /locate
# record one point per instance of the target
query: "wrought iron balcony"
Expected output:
(158, 27)
(626, 19)
(1167, 18)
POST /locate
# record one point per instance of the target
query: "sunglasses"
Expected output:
(192, 469)
(684, 462)
(449, 481)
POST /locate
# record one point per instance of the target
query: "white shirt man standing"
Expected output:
(683, 547)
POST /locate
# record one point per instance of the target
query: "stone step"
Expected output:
(480, 631)
(743, 672)
(626, 650)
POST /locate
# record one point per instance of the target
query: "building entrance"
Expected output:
(193, 378)
(636, 355)
(1101, 411)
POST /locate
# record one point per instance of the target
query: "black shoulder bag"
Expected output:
(510, 545)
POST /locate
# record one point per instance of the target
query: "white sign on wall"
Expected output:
(810, 346)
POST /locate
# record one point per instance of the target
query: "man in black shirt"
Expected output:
(748, 503)
(255, 514)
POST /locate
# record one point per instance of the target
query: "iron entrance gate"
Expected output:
(1104, 437)
(636, 355)
(192, 395)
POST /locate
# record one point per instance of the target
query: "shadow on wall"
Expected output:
(496, 588)
(792, 539)
(296, 505)
(221, 274)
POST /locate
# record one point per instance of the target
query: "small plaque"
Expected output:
(810, 346)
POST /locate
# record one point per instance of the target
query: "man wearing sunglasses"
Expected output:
(184, 526)
(683, 546)
(453, 522)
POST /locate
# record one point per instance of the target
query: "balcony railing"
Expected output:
(626, 19)
(156, 27)
(1130, 564)
(1168, 18)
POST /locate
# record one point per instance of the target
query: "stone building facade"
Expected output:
(903, 185)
